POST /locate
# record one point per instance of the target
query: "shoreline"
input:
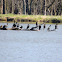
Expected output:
(30, 18)
(28, 22)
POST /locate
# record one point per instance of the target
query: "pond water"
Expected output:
(31, 46)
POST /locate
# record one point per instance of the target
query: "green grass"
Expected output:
(32, 17)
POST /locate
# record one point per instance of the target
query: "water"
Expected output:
(31, 46)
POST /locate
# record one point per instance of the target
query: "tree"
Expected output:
(31, 7)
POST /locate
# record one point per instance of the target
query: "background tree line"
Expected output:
(31, 7)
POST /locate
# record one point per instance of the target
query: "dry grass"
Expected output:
(32, 17)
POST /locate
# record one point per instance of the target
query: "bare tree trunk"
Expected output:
(60, 7)
(30, 7)
(1, 6)
(12, 6)
(25, 6)
(4, 6)
(45, 7)
(34, 9)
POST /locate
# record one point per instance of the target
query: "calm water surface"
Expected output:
(31, 46)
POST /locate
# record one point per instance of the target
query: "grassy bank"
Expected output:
(32, 18)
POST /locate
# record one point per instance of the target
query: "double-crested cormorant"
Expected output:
(49, 28)
(56, 26)
(36, 24)
(39, 27)
(44, 26)
(14, 25)
(17, 25)
(4, 27)
(21, 27)
(33, 28)
(27, 26)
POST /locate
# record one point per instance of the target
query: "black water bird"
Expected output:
(44, 26)
(5, 27)
(36, 24)
(49, 28)
(28, 26)
(56, 26)
(39, 27)
(21, 27)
